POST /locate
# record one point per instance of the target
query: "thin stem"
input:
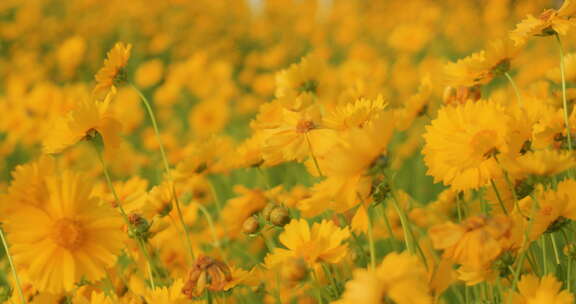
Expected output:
(388, 227)
(371, 242)
(404, 222)
(211, 226)
(149, 263)
(524, 246)
(121, 208)
(516, 91)
(498, 197)
(544, 255)
(12, 267)
(167, 168)
(555, 247)
(313, 156)
(564, 98)
(569, 275)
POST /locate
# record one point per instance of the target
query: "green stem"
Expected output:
(121, 208)
(498, 197)
(211, 227)
(168, 172)
(544, 255)
(149, 262)
(388, 227)
(12, 267)
(516, 91)
(564, 98)
(555, 247)
(525, 248)
(371, 242)
(569, 275)
(404, 222)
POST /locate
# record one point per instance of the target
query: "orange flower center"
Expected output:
(304, 126)
(68, 233)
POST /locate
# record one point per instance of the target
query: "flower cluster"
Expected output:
(279, 151)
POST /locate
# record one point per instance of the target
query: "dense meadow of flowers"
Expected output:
(287, 151)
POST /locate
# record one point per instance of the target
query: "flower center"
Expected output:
(304, 126)
(68, 233)
(483, 142)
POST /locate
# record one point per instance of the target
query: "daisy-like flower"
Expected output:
(294, 138)
(304, 77)
(481, 67)
(541, 163)
(547, 289)
(555, 208)
(462, 142)
(400, 278)
(475, 242)
(320, 244)
(113, 72)
(72, 237)
(83, 122)
(167, 295)
(549, 22)
(356, 114)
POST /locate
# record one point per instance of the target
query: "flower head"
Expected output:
(113, 72)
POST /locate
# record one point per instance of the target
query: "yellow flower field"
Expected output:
(288, 151)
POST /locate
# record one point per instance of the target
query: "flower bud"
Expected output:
(251, 225)
(279, 216)
(267, 210)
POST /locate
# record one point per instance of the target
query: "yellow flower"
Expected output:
(68, 237)
(355, 115)
(320, 244)
(400, 278)
(304, 77)
(462, 143)
(208, 117)
(475, 242)
(481, 67)
(531, 289)
(70, 55)
(86, 119)
(555, 207)
(149, 73)
(541, 163)
(549, 22)
(167, 295)
(113, 71)
(294, 137)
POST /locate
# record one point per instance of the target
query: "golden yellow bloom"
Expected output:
(481, 67)
(167, 295)
(555, 208)
(209, 117)
(475, 242)
(320, 244)
(462, 142)
(541, 163)
(545, 290)
(355, 115)
(113, 71)
(304, 77)
(400, 278)
(548, 22)
(86, 119)
(72, 236)
(149, 73)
